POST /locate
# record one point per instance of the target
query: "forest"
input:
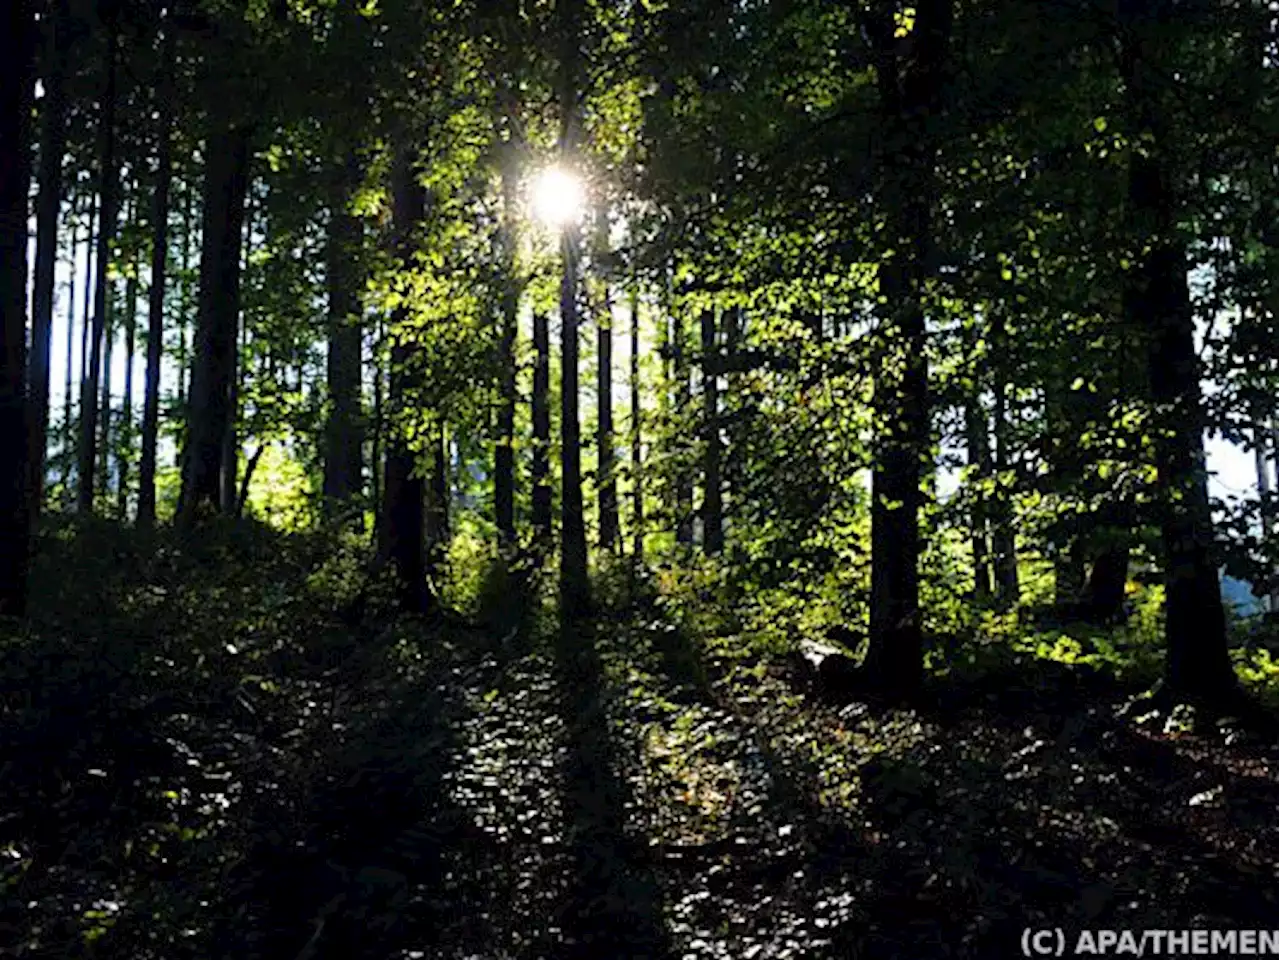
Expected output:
(589, 479)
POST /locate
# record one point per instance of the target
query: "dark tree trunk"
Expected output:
(684, 476)
(209, 412)
(184, 354)
(375, 443)
(106, 235)
(155, 300)
(68, 433)
(1157, 301)
(17, 80)
(606, 467)
(1107, 579)
(230, 468)
(637, 477)
(125, 443)
(1003, 534)
(250, 466)
(48, 207)
(540, 472)
(979, 455)
(910, 99)
(402, 526)
(437, 529)
(344, 440)
(504, 461)
(574, 588)
(104, 403)
(712, 508)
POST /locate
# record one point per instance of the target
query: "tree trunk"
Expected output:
(1107, 579)
(402, 523)
(17, 80)
(606, 466)
(68, 434)
(125, 444)
(155, 299)
(375, 443)
(1003, 535)
(106, 235)
(48, 208)
(437, 529)
(712, 509)
(209, 413)
(1265, 491)
(344, 440)
(979, 455)
(540, 472)
(250, 466)
(683, 477)
(504, 461)
(184, 354)
(637, 484)
(574, 589)
(1157, 301)
(104, 405)
(909, 100)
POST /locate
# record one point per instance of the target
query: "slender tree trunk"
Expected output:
(344, 440)
(979, 454)
(437, 531)
(684, 476)
(375, 444)
(155, 298)
(229, 466)
(574, 588)
(910, 99)
(209, 411)
(540, 472)
(184, 354)
(125, 454)
(1265, 491)
(17, 80)
(403, 523)
(637, 476)
(48, 208)
(86, 325)
(104, 407)
(250, 466)
(88, 468)
(68, 433)
(712, 507)
(606, 466)
(504, 460)
(1157, 302)
(1003, 535)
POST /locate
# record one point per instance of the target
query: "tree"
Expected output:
(1157, 302)
(344, 440)
(108, 174)
(17, 69)
(48, 208)
(911, 99)
(159, 264)
(712, 509)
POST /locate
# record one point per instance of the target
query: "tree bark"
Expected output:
(979, 456)
(540, 472)
(910, 100)
(606, 465)
(344, 440)
(68, 433)
(48, 208)
(402, 527)
(209, 410)
(155, 299)
(1157, 301)
(504, 461)
(104, 403)
(712, 507)
(574, 587)
(106, 235)
(125, 445)
(1003, 534)
(683, 477)
(17, 80)
(637, 477)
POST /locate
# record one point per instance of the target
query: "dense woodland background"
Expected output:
(819, 513)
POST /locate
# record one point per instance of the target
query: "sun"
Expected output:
(558, 197)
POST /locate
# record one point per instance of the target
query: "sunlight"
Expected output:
(557, 197)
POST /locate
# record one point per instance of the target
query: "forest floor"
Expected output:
(201, 757)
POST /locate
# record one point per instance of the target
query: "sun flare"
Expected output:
(558, 197)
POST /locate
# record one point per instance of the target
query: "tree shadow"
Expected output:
(614, 905)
